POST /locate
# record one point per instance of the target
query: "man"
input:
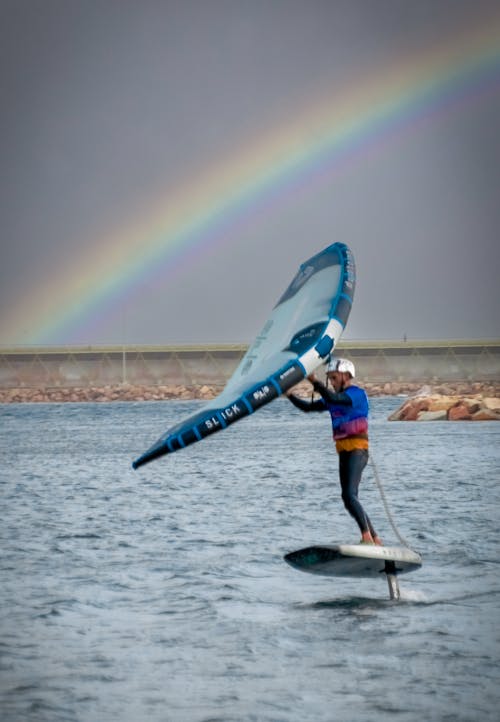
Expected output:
(348, 407)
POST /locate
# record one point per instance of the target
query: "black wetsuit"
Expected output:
(349, 410)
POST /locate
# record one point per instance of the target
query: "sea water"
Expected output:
(162, 594)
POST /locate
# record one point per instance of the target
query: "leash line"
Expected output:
(383, 496)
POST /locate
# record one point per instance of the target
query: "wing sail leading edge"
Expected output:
(301, 333)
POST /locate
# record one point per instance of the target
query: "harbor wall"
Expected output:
(376, 362)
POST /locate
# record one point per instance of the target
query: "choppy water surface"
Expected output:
(162, 595)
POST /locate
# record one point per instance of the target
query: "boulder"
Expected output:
(492, 404)
(485, 414)
(432, 416)
(410, 410)
(437, 407)
(438, 402)
(459, 412)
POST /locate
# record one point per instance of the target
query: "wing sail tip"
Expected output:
(153, 453)
(144, 459)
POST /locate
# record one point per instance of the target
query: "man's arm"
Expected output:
(329, 396)
(304, 405)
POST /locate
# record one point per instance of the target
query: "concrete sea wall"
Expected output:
(128, 373)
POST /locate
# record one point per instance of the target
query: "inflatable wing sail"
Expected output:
(299, 336)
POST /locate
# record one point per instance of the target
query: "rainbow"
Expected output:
(271, 169)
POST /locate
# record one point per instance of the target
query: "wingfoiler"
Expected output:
(300, 334)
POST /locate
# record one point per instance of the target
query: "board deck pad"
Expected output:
(354, 560)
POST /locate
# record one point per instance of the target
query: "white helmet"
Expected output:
(341, 364)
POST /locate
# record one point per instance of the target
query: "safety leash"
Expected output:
(386, 505)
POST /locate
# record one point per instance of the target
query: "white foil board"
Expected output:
(354, 560)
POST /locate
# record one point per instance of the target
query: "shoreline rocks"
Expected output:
(106, 394)
(438, 399)
(437, 407)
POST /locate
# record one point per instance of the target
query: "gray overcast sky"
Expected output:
(109, 107)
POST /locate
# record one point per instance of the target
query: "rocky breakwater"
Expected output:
(124, 392)
(438, 407)
(131, 392)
